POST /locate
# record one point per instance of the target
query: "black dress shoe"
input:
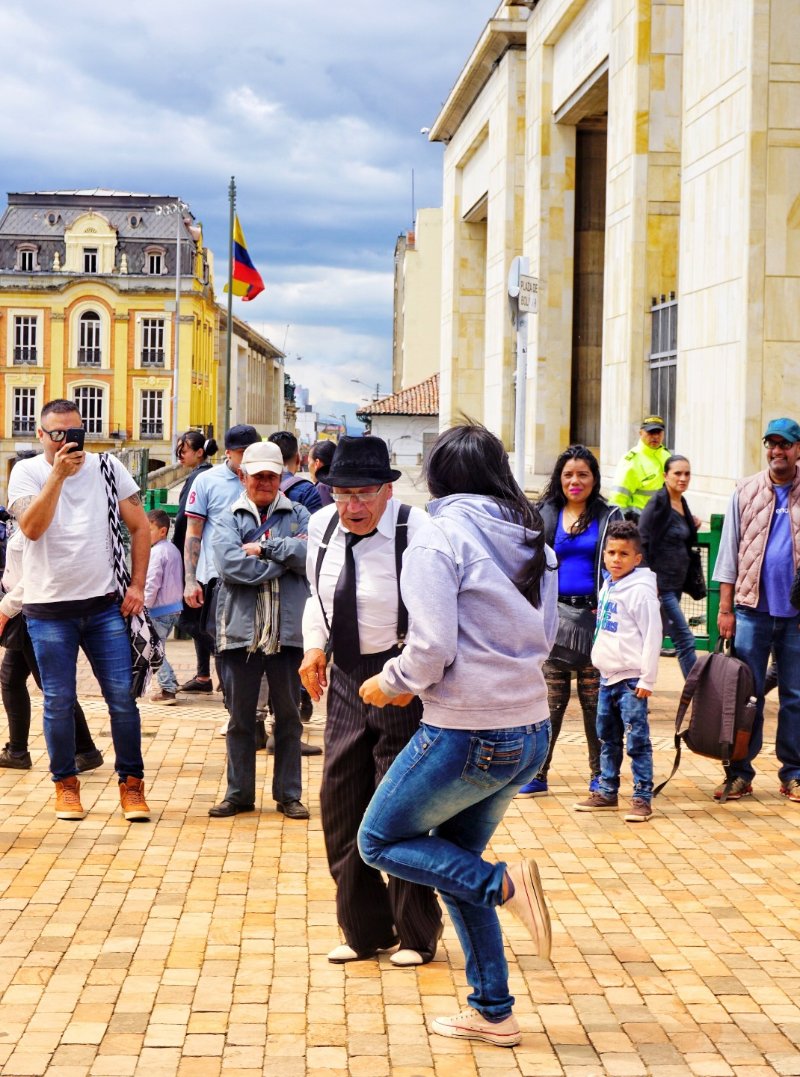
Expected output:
(293, 809)
(227, 807)
(88, 760)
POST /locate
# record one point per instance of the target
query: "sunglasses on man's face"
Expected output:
(58, 435)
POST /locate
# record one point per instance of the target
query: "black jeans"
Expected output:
(558, 693)
(16, 667)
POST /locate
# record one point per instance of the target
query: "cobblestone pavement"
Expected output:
(195, 946)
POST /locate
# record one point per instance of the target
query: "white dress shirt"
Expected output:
(376, 579)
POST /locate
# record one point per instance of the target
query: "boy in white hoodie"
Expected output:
(627, 643)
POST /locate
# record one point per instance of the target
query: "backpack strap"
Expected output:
(400, 544)
(292, 480)
(689, 689)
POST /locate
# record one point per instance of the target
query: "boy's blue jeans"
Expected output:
(430, 820)
(620, 713)
(166, 678)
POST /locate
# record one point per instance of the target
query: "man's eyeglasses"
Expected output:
(776, 443)
(55, 435)
(343, 498)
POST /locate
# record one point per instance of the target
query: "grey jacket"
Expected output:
(283, 556)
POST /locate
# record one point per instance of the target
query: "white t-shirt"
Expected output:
(72, 559)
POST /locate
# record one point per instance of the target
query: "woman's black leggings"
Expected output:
(558, 693)
(16, 667)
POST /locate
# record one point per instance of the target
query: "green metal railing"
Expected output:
(701, 615)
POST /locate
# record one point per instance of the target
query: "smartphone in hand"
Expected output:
(77, 437)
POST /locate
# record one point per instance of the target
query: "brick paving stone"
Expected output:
(194, 946)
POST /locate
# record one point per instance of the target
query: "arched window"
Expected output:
(89, 351)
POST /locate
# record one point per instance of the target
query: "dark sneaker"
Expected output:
(739, 788)
(536, 787)
(640, 811)
(15, 760)
(596, 802)
(197, 686)
(89, 760)
(469, 1025)
(791, 790)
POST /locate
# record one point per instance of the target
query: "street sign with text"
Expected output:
(528, 294)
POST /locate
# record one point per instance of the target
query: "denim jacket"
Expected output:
(241, 576)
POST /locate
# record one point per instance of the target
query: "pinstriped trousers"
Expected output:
(361, 742)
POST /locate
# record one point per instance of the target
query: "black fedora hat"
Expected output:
(360, 462)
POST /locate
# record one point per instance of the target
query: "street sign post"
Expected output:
(528, 294)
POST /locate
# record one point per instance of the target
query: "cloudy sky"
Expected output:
(315, 109)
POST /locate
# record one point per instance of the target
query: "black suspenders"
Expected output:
(400, 544)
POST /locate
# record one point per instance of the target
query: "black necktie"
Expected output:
(346, 644)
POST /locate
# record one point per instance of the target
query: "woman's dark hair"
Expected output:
(671, 461)
(323, 451)
(195, 439)
(469, 459)
(553, 492)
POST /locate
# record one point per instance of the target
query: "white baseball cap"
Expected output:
(262, 456)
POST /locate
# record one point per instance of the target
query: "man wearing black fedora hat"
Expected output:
(355, 549)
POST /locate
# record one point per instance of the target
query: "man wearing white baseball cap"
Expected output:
(260, 555)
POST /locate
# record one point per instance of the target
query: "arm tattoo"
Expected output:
(192, 556)
(20, 506)
(134, 499)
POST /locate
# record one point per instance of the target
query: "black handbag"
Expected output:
(572, 649)
(695, 583)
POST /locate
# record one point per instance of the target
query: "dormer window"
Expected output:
(154, 261)
(90, 259)
(27, 258)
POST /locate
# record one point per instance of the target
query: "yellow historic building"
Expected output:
(88, 293)
(644, 155)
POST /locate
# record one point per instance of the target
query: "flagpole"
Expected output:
(229, 335)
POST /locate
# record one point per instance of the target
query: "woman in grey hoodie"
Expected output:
(480, 586)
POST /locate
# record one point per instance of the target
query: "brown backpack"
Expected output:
(720, 690)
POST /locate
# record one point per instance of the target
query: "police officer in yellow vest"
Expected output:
(640, 472)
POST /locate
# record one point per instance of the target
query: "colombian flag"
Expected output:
(247, 281)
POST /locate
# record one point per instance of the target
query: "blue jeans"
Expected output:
(105, 639)
(678, 630)
(242, 674)
(620, 711)
(432, 817)
(166, 678)
(756, 633)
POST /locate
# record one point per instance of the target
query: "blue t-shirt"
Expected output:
(777, 568)
(212, 494)
(576, 555)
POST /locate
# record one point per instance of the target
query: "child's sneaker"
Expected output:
(596, 802)
(535, 788)
(639, 812)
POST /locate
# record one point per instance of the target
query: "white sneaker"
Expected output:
(469, 1025)
(527, 904)
(340, 955)
(223, 729)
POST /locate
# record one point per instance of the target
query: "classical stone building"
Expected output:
(87, 312)
(257, 378)
(416, 343)
(645, 156)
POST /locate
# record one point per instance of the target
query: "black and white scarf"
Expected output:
(147, 649)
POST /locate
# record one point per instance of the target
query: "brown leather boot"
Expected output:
(68, 799)
(131, 795)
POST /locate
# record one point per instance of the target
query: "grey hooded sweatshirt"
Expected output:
(475, 644)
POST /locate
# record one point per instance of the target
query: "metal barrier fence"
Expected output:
(701, 615)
